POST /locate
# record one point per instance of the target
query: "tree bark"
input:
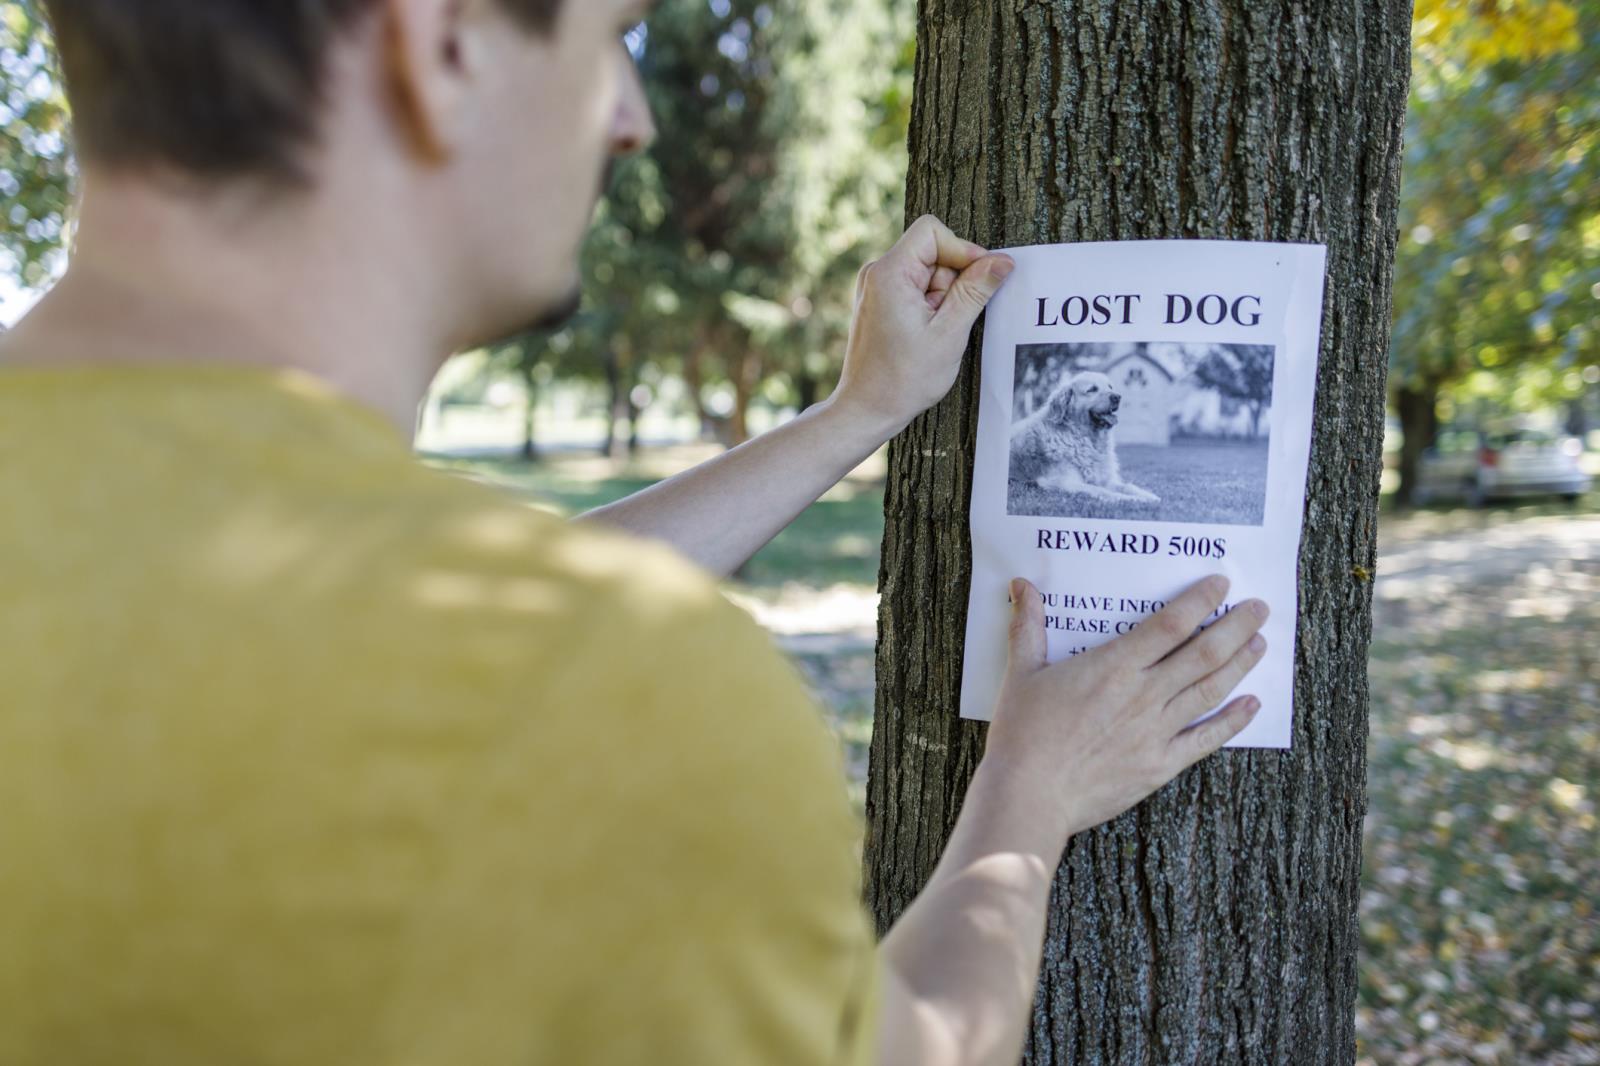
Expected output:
(1216, 923)
(1418, 409)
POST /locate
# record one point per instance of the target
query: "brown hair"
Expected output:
(210, 88)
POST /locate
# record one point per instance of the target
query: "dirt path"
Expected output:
(1548, 557)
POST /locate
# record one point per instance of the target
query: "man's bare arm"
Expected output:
(1072, 745)
(914, 311)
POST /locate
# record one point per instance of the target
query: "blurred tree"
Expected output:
(35, 161)
(1498, 266)
(1241, 372)
(523, 358)
(1217, 922)
(734, 244)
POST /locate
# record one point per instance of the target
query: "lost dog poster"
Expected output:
(1144, 420)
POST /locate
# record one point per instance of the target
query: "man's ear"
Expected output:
(428, 62)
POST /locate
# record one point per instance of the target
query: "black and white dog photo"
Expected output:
(1154, 431)
(1066, 446)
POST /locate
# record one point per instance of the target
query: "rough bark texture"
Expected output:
(1217, 922)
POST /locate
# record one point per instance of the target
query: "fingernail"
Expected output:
(1251, 706)
(1217, 585)
(1001, 268)
(1260, 609)
(1258, 644)
(1016, 590)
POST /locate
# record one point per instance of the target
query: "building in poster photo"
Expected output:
(1152, 431)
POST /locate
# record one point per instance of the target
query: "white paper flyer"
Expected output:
(1144, 420)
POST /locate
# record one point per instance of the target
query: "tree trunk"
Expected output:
(1418, 408)
(805, 389)
(746, 379)
(608, 443)
(694, 384)
(1578, 415)
(530, 445)
(1217, 922)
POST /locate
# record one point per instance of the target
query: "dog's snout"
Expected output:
(1116, 400)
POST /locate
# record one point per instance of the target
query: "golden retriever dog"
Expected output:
(1066, 445)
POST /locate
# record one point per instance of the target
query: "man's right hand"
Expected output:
(1084, 739)
(1072, 744)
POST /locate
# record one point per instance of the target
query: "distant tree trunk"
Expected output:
(1578, 416)
(1217, 923)
(1418, 409)
(805, 389)
(608, 443)
(746, 379)
(694, 383)
(530, 446)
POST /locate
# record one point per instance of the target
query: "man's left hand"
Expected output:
(914, 313)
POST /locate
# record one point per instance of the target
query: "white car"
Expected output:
(1479, 467)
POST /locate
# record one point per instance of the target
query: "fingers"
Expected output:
(1027, 647)
(1157, 636)
(861, 278)
(1208, 651)
(1212, 689)
(971, 293)
(1196, 742)
(930, 243)
(939, 287)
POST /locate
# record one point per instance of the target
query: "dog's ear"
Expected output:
(1061, 403)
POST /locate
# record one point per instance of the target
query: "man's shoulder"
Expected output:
(458, 544)
(474, 568)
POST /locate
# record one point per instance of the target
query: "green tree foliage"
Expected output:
(1498, 266)
(728, 254)
(35, 163)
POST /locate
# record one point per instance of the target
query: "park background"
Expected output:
(719, 278)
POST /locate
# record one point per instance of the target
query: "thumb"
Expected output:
(1027, 650)
(972, 291)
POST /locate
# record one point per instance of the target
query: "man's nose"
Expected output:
(635, 136)
(633, 129)
(1116, 400)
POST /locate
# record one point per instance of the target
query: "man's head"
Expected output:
(486, 125)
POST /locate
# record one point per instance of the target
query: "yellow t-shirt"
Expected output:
(313, 756)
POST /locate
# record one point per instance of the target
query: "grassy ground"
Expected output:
(1198, 481)
(836, 540)
(1479, 915)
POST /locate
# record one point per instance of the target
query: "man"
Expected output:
(311, 755)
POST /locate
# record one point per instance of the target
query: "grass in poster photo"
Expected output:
(1148, 431)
